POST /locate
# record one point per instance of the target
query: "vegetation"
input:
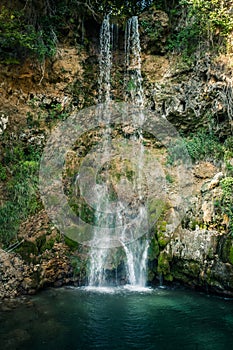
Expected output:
(20, 175)
(202, 145)
(19, 39)
(33, 28)
(227, 201)
(198, 24)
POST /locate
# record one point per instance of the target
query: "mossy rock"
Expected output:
(79, 233)
(162, 236)
(158, 206)
(225, 245)
(40, 242)
(185, 271)
(73, 245)
(231, 255)
(157, 209)
(27, 250)
(79, 266)
(48, 245)
(153, 251)
(191, 268)
(164, 264)
(168, 277)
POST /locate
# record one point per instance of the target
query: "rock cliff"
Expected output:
(33, 98)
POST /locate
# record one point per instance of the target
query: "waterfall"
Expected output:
(105, 61)
(99, 256)
(133, 76)
(135, 252)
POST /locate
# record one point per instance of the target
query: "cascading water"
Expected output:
(105, 61)
(133, 76)
(136, 251)
(98, 256)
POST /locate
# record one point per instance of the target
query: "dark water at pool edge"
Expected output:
(119, 318)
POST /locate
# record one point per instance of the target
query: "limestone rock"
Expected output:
(204, 170)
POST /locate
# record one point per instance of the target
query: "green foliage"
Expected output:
(153, 250)
(227, 200)
(231, 255)
(164, 266)
(48, 112)
(202, 145)
(3, 173)
(152, 29)
(55, 112)
(199, 23)
(71, 244)
(169, 178)
(22, 200)
(214, 16)
(185, 41)
(34, 28)
(20, 188)
(18, 39)
(120, 7)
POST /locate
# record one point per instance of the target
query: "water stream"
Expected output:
(135, 251)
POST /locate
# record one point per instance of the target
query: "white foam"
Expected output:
(137, 288)
(115, 290)
(107, 290)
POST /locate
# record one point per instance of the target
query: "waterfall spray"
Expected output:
(135, 252)
(98, 256)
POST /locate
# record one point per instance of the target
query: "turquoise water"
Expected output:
(79, 318)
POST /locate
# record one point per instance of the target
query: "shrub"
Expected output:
(227, 200)
(18, 39)
(200, 146)
(21, 192)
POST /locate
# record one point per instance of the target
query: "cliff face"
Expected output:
(199, 252)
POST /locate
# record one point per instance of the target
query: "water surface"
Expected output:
(120, 318)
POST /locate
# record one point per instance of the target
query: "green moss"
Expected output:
(163, 264)
(153, 250)
(192, 269)
(79, 266)
(227, 201)
(3, 173)
(156, 210)
(151, 275)
(168, 277)
(157, 205)
(231, 255)
(27, 250)
(225, 243)
(40, 241)
(70, 243)
(163, 238)
(169, 178)
(48, 245)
